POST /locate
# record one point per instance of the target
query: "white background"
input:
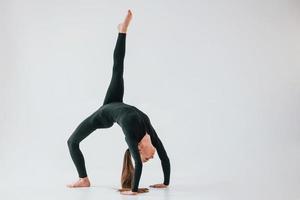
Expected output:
(219, 79)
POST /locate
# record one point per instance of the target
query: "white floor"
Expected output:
(212, 191)
(187, 187)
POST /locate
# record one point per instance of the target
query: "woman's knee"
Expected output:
(72, 143)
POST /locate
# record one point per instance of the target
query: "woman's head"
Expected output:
(146, 148)
(127, 174)
(147, 151)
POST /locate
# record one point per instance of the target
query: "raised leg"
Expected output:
(115, 90)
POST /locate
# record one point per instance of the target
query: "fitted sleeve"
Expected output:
(134, 151)
(165, 162)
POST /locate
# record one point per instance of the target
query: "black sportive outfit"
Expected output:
(133, 122)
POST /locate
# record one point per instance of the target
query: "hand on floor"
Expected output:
(159, 185)
(140, 190)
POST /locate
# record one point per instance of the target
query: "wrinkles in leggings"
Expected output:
(114, 93)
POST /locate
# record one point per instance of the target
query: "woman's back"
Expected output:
(127, 116)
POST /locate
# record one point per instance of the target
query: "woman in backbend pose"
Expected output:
(140, 135)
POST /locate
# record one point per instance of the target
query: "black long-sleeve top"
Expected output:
(134, 124)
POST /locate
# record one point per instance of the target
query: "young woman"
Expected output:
(140, 135)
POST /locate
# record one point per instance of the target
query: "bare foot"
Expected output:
(82, 182)
(122, 27)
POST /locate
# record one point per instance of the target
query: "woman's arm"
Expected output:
(134, 151)
(165, 162)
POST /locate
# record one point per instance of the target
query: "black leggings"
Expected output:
(114, 93)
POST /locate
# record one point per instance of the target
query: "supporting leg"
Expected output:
(85, 128)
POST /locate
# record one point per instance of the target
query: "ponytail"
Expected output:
(127, 174)
(127, 171)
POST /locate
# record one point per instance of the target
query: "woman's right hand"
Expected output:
(159, 185)
(140, 190)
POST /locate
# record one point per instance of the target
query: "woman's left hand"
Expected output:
(159, 185)
(129, 192)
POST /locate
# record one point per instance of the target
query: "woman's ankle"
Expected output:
(122, 29)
